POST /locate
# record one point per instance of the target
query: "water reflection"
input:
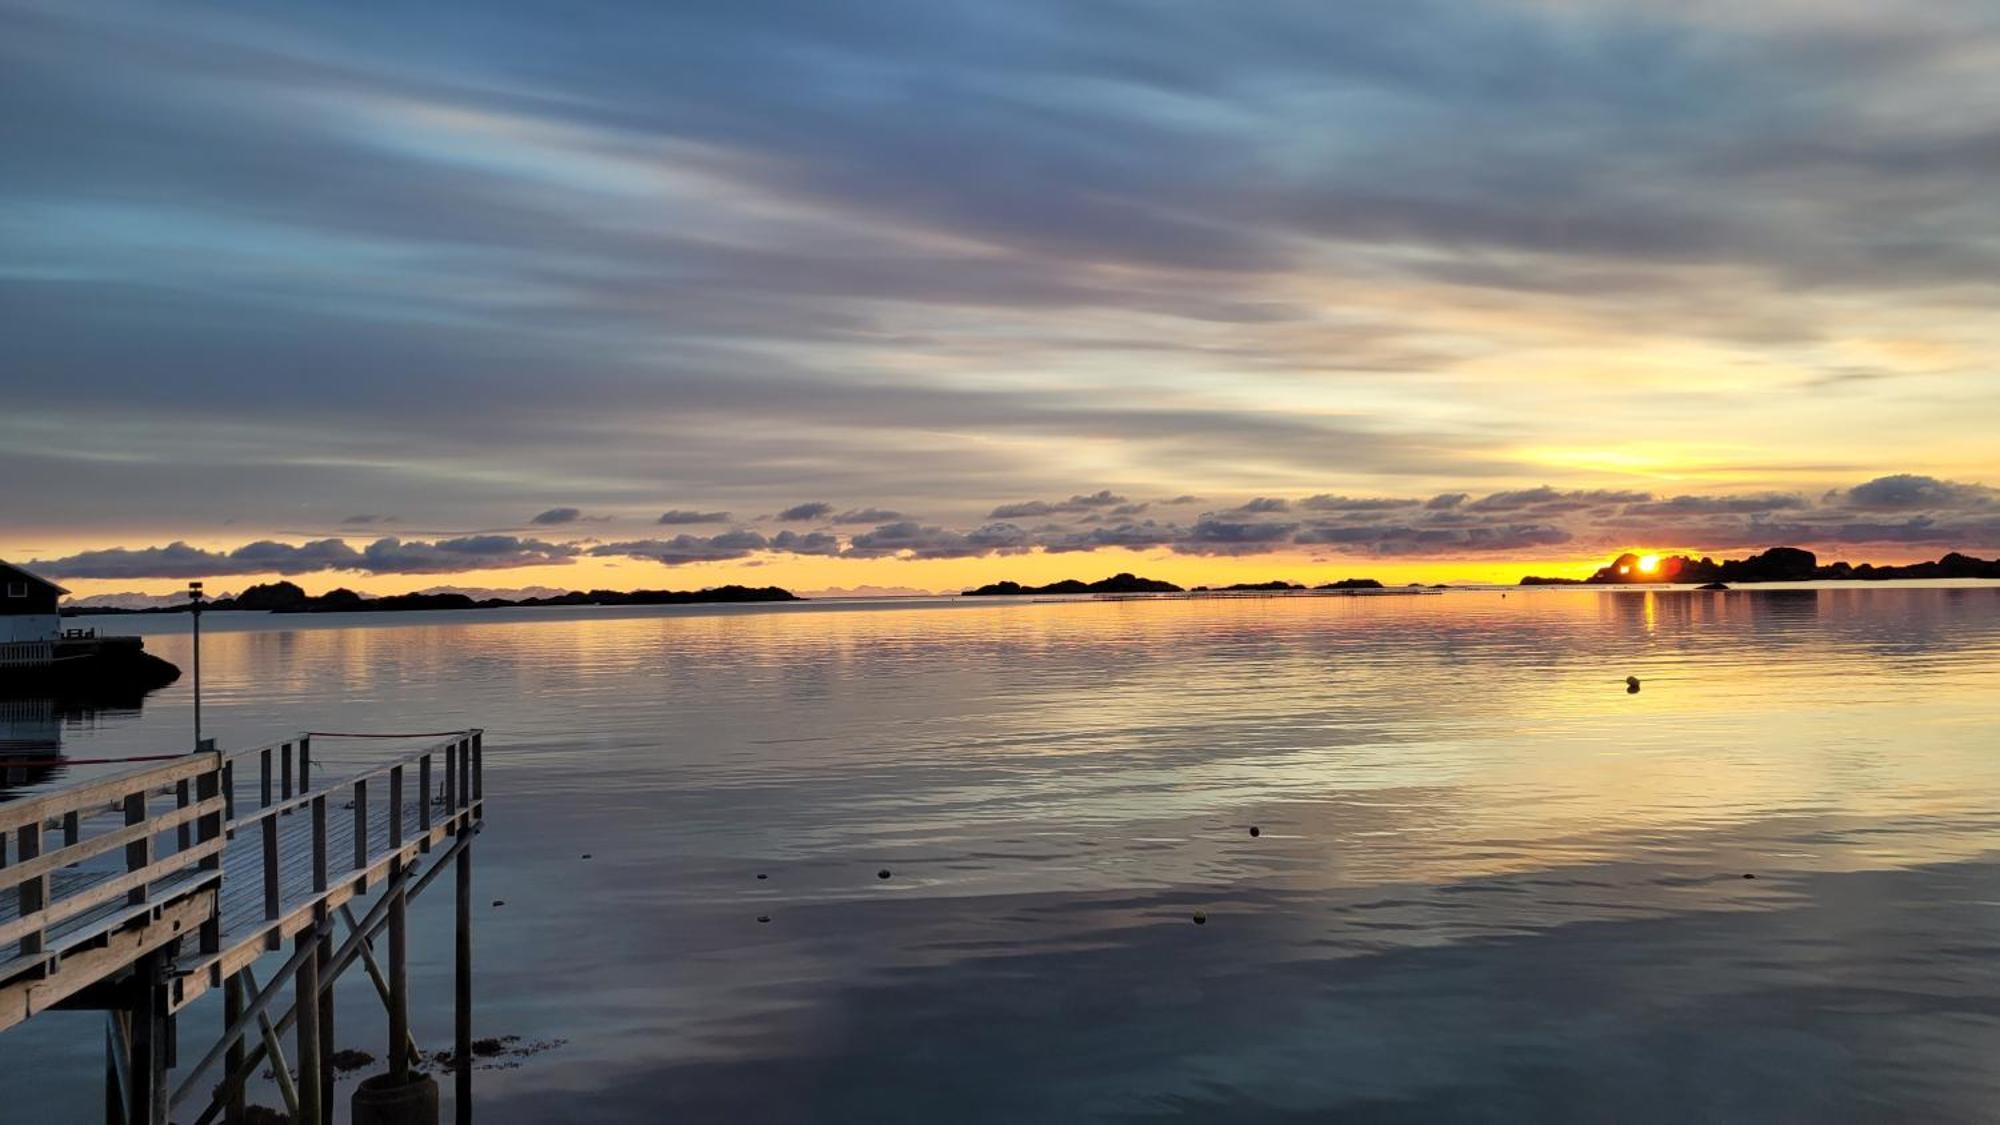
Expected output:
(32, 728)
(1489, 883)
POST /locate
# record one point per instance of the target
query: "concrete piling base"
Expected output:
(381, 1100)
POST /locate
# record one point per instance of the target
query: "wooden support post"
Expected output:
(209, 827)
(32, 894)
(229, 794)
(264, 777)
(319, 878)
(117, 1067)
(465, 774)
(183, 837)
(312, 1109)
(286, 753)
(361, 829)
(232, 1065)
(319, 845)
(424, 805)
(273, 897)
(305, 765)
(399, 977)
(147, 1076)
(72, 828)
(461, 1053)
(478, 773)
(396, 807)
(326, 1039)
(138, 853)
(450, 785)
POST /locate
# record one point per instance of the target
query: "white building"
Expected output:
(29, 619)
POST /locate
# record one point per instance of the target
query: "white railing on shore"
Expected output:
(27, 654)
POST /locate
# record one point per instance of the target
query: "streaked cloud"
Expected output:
(996, 278)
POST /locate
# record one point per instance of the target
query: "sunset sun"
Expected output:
(1648, 563)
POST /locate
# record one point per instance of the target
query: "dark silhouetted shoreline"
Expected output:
(285, 597)
(1778, 564)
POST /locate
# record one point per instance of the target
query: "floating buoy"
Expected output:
(882, 874)
(499, 902)
(761, 875)
(1256, 831)
(1200, 919)
(586, 855)
(763, 917)
(1747, 875)
(1631, 685)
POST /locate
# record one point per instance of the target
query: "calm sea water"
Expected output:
(1490, 884)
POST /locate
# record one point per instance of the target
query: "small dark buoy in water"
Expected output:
(586, 855)
(882, 874)
(1256, 831)
(1631, 685)
(763, 917)
(1200, 919)
(1747, 875)
(761, 875)
(499, 902)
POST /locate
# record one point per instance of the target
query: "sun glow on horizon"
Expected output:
(1648, 563)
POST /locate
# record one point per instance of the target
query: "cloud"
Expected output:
(1445, 501)
(1718, 505)
(1547, 499)
(383, 556)
(1906, 492)
(1134, 536)
(1104, 498)
(1898, 510)
(1220, 535)
(556, 516)
(682, 549)
(813, 510)
(1399, 539)
(912, 540)
(1325, 502)
(685, 515)
(867, 515)
(1265, 504)
(809, 543)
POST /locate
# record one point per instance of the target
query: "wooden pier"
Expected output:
(137, 893)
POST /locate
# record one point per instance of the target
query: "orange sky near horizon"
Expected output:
(809, 575)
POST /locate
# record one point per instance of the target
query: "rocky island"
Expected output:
(288, 597)
(1778, 564)
(1116, 584)
(1133, 584)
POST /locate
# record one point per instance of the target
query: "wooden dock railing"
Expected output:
(173, 880)
(79, 876)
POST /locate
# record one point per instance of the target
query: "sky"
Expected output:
(915, 295)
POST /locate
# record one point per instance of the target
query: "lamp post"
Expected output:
(194, 609)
